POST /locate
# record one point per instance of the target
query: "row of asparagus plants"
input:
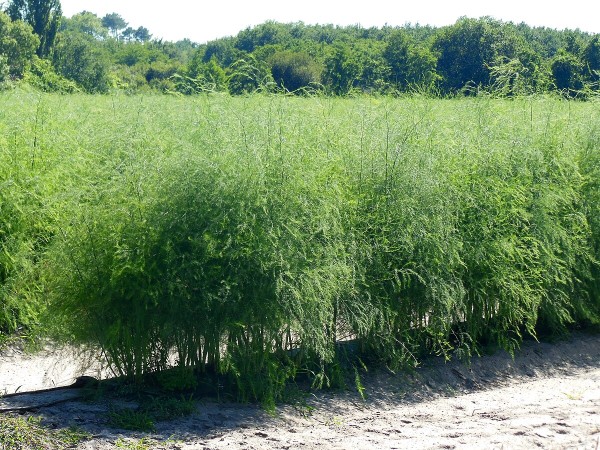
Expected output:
(250, 236)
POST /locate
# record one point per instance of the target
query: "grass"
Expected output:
(19, 433)
(141, 444)
(130, 419)
(574, 395)
(242, 238)
(152, 410)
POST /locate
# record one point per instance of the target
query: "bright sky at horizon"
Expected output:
(205, 21)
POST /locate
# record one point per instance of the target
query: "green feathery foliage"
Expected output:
(246, 237)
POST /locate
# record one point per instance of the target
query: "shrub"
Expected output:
(42, 76)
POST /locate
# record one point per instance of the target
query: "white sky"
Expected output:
(204, 20)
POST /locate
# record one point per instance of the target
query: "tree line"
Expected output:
(85, 52)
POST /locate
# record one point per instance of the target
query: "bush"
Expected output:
(294, 70)
(42, 76)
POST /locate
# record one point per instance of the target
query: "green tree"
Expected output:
(268, 33)
(79, 58)
(85, 22)
(464, 49)
(409, 64)
(18, 45)
(591, 60)
(469, 47)
(222, 49)
(142, 34)
(114, 22)
(4, 69)
(341, 70)
(573, 41)
(567, 72)
(185, 49)
(374, 70)
(44, 17)
(134, 53)
(127, 34)
(161, 70)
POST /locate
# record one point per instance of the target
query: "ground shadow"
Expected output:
(212, 418)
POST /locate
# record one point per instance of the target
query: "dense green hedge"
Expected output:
(248, 235)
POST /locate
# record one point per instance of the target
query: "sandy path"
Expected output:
(547, 397)
(561, 412)
(21, 371)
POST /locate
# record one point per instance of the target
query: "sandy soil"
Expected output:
(547, 397)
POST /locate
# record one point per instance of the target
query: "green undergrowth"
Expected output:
(28, 433)
(246, 237)
(152, 409)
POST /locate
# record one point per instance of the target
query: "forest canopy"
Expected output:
(40, 46)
